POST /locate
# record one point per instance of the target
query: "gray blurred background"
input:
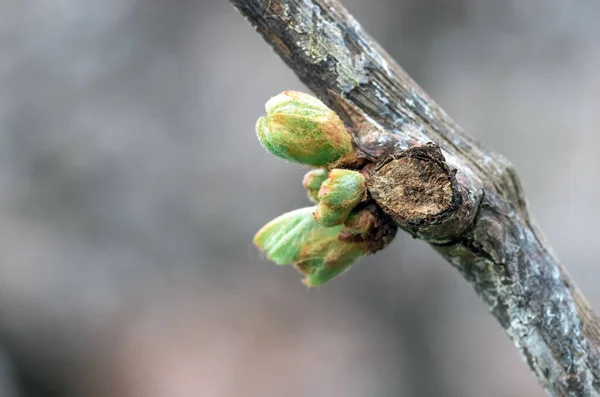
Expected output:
(131, 184)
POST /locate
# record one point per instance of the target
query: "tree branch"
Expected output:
(466, 201)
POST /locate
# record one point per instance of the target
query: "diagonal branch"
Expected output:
(466, 201)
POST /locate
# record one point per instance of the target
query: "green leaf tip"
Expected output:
(295, 238)
(300, 128)
(338, 195)
(312, 183)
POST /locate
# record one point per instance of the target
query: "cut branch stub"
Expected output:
(421, 193)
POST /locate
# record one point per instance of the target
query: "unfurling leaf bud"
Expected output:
(317, 252)
(300, 128)
(312, 183)
(338, 195)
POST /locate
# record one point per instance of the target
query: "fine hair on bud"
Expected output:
(338, 195)
(300, 128)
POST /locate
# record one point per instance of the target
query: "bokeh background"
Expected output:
(131, 184)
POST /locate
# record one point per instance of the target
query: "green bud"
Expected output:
(317, 252)
(300, 128)
(312, 183)
(338, 195)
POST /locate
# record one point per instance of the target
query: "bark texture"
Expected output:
(440, 185)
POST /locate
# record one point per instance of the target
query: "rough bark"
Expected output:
(465, 200)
